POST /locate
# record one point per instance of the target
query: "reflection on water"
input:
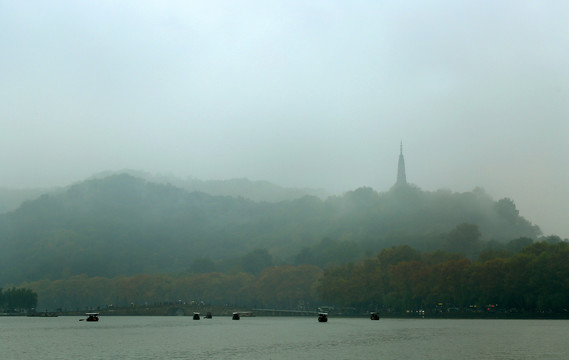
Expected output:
(280, 338)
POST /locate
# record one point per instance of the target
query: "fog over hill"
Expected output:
(12, 198)
(258, 190)
(311, 94)
(124, 225)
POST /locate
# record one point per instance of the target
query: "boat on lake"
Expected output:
(374, 316)
(196, 316)
(322, 317)
(92, 317)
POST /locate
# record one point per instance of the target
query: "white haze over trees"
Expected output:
(299, 93)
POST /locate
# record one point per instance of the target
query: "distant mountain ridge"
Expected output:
(259, 190)
(11, 199)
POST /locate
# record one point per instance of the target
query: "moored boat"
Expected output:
(92, 317)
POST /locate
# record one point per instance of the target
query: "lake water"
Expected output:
(117, 337)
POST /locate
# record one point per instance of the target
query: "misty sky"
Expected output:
(300, 93)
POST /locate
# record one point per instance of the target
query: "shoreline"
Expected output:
(223, 312)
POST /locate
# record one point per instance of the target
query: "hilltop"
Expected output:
(259, 191)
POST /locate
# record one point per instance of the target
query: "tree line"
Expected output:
(402, 279)
(284, 286)
(398, 279)
(18, 299)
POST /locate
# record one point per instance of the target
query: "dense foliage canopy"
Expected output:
(282, 286)
(398, 279)
(18, 299)
(401, 279)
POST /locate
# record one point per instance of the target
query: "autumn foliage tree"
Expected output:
(400, 279)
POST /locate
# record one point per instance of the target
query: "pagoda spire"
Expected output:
(401, 177)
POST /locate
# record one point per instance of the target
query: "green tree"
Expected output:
(19, 299)
(516, 245)
(507, 208)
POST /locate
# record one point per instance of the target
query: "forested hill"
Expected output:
(123, 225)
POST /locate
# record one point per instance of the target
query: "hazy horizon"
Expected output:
(314, 94)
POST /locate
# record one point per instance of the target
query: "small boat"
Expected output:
(196, 316)
(322, 317)
(235, 316)
(208, 315)
(92, 317)
(374, 316)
